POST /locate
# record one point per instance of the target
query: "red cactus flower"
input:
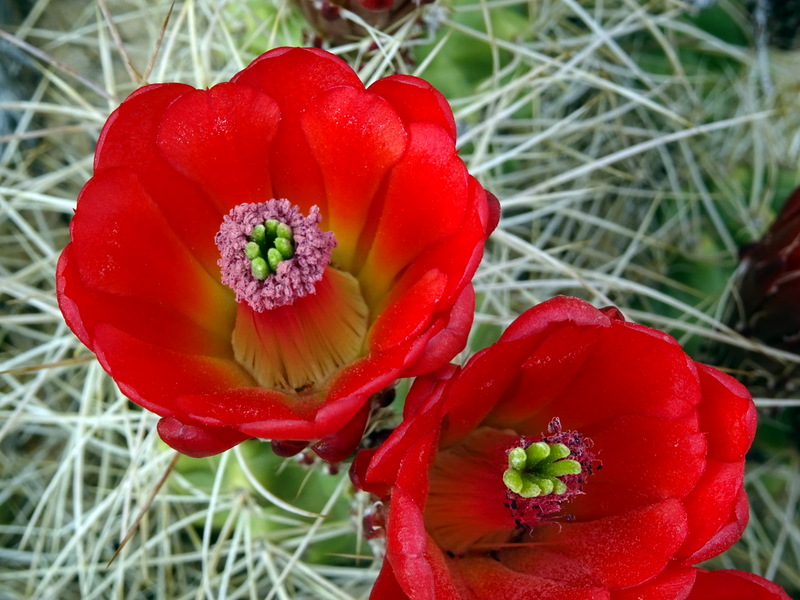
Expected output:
(580, 457)
(259, 258)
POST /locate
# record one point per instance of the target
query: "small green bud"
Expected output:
(282, 230)
(258, 235)
(537, 452)
(557, 451)
(561, 468)
(517, 459)
(259, 268)
(546, 485)
(273, 258)
(513, 480)
(284, 246)
(530, 487)
(252, 250)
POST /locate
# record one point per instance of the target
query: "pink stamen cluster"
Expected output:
(295, 277)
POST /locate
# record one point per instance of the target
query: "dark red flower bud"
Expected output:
(329, 22)
(764, 304)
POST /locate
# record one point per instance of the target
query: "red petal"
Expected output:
(355, 138)
(386, 586)
(717, 511)
(457, 255)
(551, 362)
(425, 201)
(671, 584)
(603, 372)
(355, 383)
(146, 320)
(132, 131)
(645, 460)
(406, 457)
(415, 99)
(727, 415)
(339, 445)
(293, 77)
(734, 585)
(68, 290)
(493, 209)
(625, 549)
(221, 139)
(195, 440)
(406, 544)
(257, 412)
(488, 578)
(123, 246)
(155, 377)
(467, 506)
(574, 311)
(451, 339)
(484, 379)
(409, 313)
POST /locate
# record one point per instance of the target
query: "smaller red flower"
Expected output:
(260, 258)
(580, 457)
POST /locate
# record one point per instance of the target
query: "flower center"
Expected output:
(298, 319)
(269, 245)
(271, 254)
(535, 470)
(543, 475)
(495, 486)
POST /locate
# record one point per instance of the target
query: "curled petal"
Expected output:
(452, 338)
(727, 414)
(734, 585)
(196, 440)
(718, 512)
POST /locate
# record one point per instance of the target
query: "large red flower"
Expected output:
(580, 457)
(341, 220)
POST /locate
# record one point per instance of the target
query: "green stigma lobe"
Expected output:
(285, 248)
(268, 245)
(273, 259)
(259, 268)
(535, 470)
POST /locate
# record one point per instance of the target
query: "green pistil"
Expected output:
(268, 245)
(535, 470)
